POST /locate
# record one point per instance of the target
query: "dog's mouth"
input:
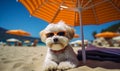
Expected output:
(57, 46)
(57, 43)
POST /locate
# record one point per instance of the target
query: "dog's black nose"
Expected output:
(55, 39)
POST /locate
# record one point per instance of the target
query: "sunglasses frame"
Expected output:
(51, 34)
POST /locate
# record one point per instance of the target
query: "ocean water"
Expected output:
(25, 44)
(41, 44)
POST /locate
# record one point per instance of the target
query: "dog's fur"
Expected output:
(60, 55)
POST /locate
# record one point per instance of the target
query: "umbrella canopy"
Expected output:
(93, 11)
(74, 12)
(12, 40)
(18, 32)
(107, 34)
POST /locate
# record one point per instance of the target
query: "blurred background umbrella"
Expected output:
(75, 12)
(76, 36)
(107, 34)
(18, 32)
(27, 41)
(12, 40)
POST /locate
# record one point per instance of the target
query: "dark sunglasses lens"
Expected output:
(61, 33)
(50, 34)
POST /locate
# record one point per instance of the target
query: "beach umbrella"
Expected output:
(26, 41)
(16, 41)
(93, 11)
(76, 36)
(18, 32)
(12, 40)
(107, 34)
(74, 12)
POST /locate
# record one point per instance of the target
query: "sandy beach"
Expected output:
(13, 58)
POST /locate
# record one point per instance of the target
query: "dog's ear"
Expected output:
(70, 31)
(42, 35)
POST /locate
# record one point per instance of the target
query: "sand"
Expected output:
(13, 58)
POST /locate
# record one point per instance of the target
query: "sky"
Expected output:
(13, 15)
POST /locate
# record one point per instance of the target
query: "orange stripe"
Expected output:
(27, 6)
(30, 4)
(42, 14)
(45, 12)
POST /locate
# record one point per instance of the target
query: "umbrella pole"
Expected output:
(82, 35)
(81, 29)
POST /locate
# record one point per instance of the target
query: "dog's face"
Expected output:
(57, 36)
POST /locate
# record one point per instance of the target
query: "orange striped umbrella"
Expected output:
(18, 32)
(107, 34)
(74, 12)
(93, 11)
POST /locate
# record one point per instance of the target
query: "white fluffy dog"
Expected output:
(60, 55)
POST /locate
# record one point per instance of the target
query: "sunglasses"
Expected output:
(62, 33)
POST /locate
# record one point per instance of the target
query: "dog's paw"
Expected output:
(50, 67)
(65, 66)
